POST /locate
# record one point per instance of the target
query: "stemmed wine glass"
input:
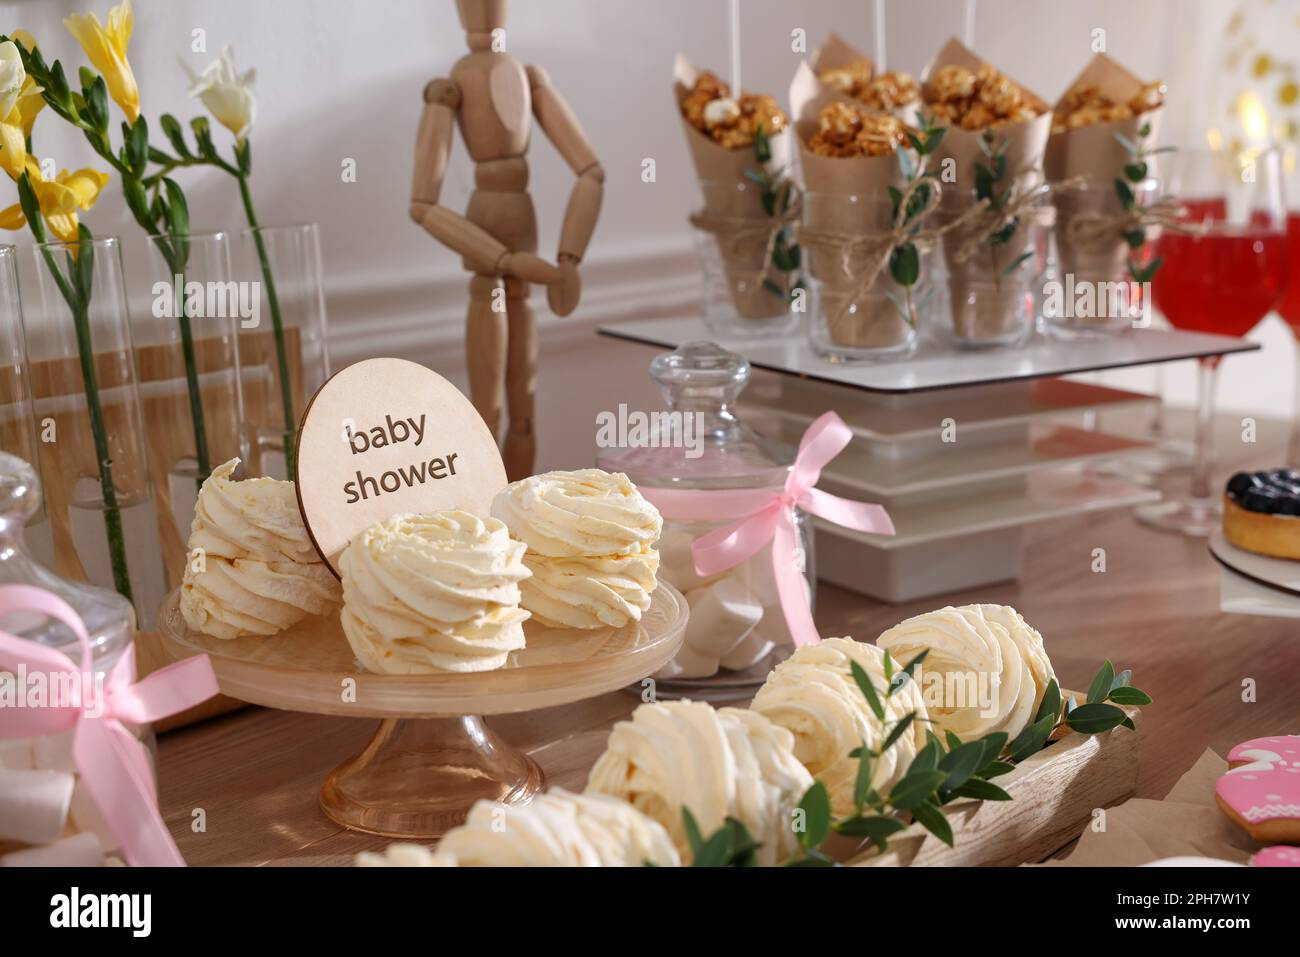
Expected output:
(1288, 307)
(1224, 278)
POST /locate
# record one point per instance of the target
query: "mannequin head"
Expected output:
(480, 18)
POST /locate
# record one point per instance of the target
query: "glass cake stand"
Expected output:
(433, 755)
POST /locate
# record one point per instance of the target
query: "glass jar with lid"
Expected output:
(64, 826)
(737, 631)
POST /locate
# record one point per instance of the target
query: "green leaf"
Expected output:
(1144, 130)
(1051, 703)
(868, 690)
(993, 745)
(1095, 718)
(862, 781)
(692, 828)
(981, 791)
(203, 136)
(1003, 235)
(762, 148)
(85, 264)
(995, 769)
(1129, 696)
(816, 807)
(907, 164)
(875, 828)
(1135, 238)
(31, 207)
(896, 732)
(933, 820)
(1125, 193)
(909, 669)
(178, 220)
(87, 77)
(933, 137)
(915, 787)
(887, 661)
(951, 739)
(961, 763)
(1101, 682)
(172, 129)
(1136, 172)
(135, 139)
(984, 180)
(1031, 740)
(1015, 263)
(905, 264)
(97, 104)
(927, 759)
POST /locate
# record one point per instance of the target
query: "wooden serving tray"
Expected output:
(1055, 794)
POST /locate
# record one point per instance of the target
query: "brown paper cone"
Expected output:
(1094, 155)
(721, 172)
(863, 181)
(985, 306)
(835, 52)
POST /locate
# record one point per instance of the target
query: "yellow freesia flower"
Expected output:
(22, 101)
(59, 199)
(106, 49)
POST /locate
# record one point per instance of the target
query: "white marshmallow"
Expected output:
(16, 754)
(676, 563)
(80, 850)
(34, 805)
(749, 652)
(722, 614)
(689, 664)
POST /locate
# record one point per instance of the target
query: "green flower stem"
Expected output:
(277, 325)
(202, 457)
(98, 430)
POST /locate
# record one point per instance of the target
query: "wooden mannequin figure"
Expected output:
(494, 99)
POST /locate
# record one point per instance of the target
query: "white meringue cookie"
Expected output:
(985, 652)
(436, 592)
(813, 695)
(251, 568)
(718, 763)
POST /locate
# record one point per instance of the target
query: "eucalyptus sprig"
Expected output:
(990, 186)
(731, 845)
(905, 259)
(1133, 174)
(777, 193)
(950, 768)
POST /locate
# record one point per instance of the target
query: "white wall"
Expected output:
(342, 79)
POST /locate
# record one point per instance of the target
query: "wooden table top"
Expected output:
(255, 774)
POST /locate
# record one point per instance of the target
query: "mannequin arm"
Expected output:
(432, 152)
(565, 132)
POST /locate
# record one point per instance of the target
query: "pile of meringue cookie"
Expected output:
(444, 591)
(755, 765)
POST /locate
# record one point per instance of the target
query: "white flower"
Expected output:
(227, 95)
(12, 76)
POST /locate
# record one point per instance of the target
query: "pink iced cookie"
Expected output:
(1280, 856)
(1261, 791)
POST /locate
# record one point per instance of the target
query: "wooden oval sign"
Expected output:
(387, 436)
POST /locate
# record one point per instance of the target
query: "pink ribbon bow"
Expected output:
(112, 762)
(764, 515)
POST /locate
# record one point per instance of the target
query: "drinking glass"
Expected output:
(1223, 278)
(1288, 307)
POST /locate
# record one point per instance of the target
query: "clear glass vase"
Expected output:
(1088, 291)
(185, 347)
(93, 436)
(745, 294)
(849, 321)
(283, 354)
(994, 284)
(737, 631)
(18, 428)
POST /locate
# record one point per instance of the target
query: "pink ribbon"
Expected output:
(764, 515)
(113, 763)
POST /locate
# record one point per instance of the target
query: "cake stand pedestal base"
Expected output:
(418, 777)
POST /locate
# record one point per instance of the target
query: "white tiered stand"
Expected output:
(965, 448)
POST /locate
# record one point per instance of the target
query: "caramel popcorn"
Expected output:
(886, 92)
(844, 130)
(731, 123)
(977, 99)
(1086, 105)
